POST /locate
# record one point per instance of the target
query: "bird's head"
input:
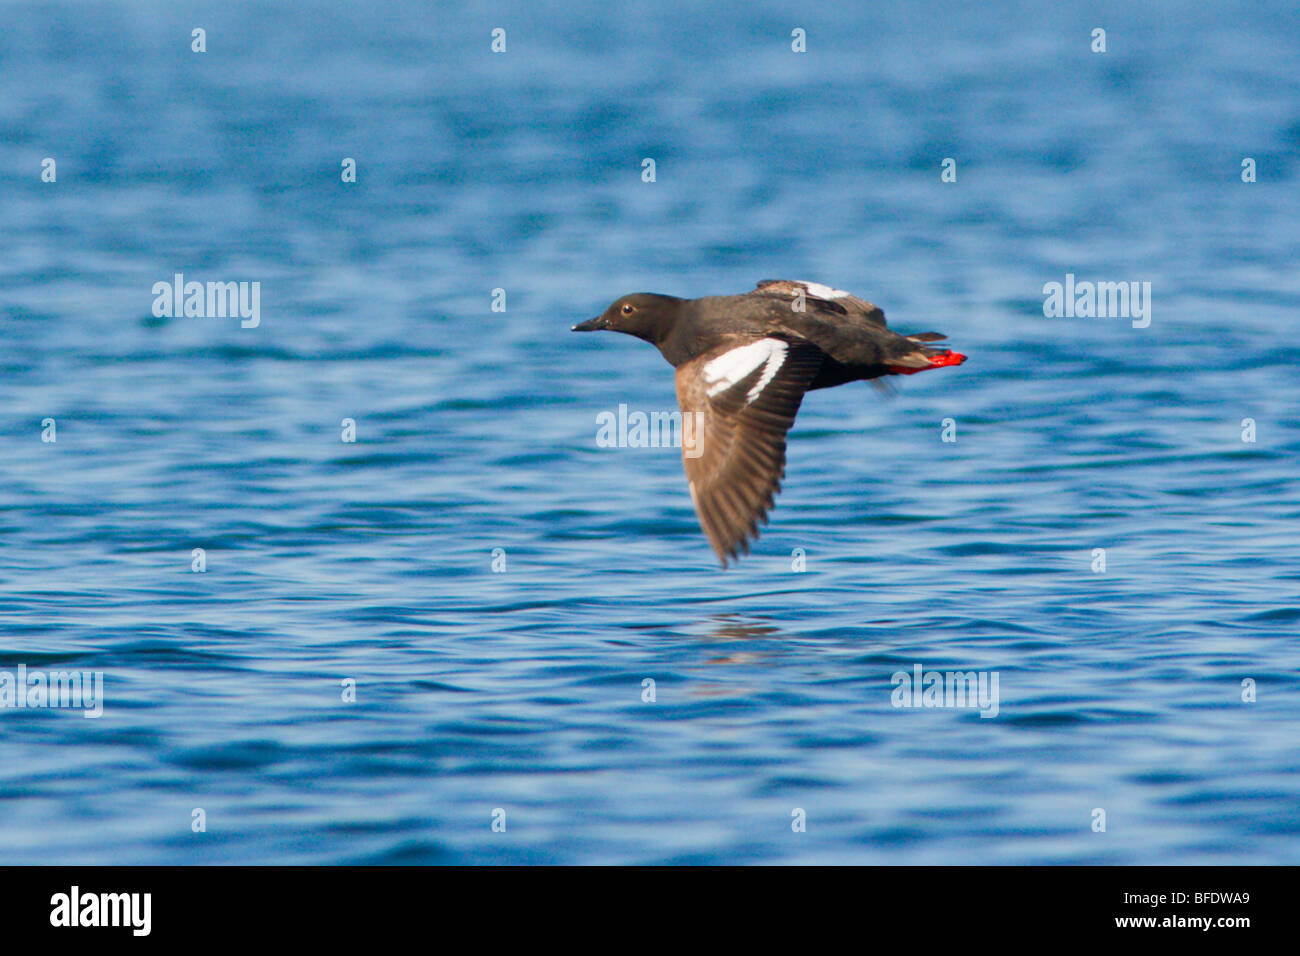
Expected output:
(644, 314)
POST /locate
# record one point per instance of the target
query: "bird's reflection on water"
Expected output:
(735, 628)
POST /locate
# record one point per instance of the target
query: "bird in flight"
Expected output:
(743, 365)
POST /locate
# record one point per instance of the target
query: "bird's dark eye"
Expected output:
(627, 308)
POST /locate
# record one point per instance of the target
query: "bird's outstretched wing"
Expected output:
(738, 402)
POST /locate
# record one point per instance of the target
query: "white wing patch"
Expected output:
(820, 291)
(732, 367)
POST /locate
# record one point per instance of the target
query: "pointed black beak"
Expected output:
(591, 325)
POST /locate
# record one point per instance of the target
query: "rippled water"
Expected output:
(476, 430)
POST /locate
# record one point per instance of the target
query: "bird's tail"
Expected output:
(925, 357)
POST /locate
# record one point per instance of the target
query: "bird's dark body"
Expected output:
(856, 347)
(743, 365)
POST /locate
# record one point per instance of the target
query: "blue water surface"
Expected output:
(522, 689)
